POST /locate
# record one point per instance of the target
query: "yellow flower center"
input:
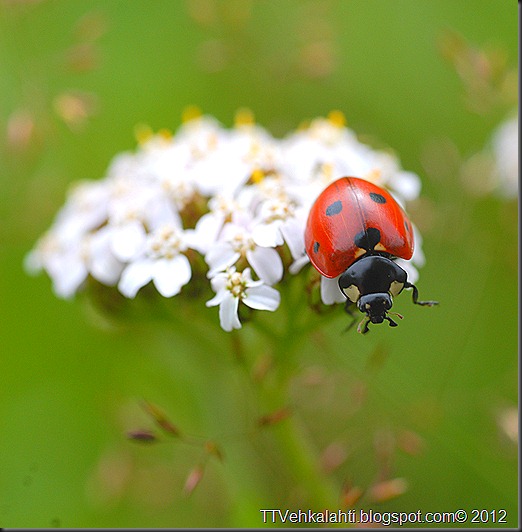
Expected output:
(241, 244)
(165, 243)
(337, 118)
(236, 284)
(244, 117)
(191, 112)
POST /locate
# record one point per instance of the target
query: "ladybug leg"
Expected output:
(363, 325)
(349, 308)
(392, 323)
(415, 296)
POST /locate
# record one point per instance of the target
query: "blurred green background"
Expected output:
(429, 402)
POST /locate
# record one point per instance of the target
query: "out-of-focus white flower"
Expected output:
(494, 169)
(85, 210)
(238, 197)
(231, 287)
(69, 262)
(505, 154)
(508, 420)
(327, 150)
(65, 262)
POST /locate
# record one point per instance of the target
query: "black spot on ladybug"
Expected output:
(407, 226)
(368, 238)
(316, 247)
(335, 208)
(377, 197)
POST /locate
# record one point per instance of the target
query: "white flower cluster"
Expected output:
(238, 197)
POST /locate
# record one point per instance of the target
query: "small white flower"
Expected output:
(235, 242)
(231, 287)
(134, 210)
(85, 210)
(505, 152)
(162, 262)
(208, 227)
(280, 221)
(66, 263)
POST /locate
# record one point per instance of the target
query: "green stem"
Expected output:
(299, 454)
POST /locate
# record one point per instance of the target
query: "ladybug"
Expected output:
(355, 231)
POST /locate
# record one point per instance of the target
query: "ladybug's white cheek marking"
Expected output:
(379, 247)
(352, 293)
(396, 288)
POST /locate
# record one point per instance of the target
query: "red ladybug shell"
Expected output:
(350, 218)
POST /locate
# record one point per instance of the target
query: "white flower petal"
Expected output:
(268, 235)
(407, 185)
(128, 240)
(206, 232)
(505, 145)
(418, 258)
(267, 263)
(171, 274)
(228, 313)
(298, 264)
(409, 268)
(220, 257)
(293, 232)
(103, 265)
(161, 213)
(33, 262)
(217, 299)
(69, 278)
(247, 276)
(135, 275)
(330, 291)
(219, 280)
(262, 298)
(106, 268)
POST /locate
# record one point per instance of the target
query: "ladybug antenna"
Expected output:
(393, 323)
(349, 308)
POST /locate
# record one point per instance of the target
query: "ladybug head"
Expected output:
(370, 283)
(375, 306)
